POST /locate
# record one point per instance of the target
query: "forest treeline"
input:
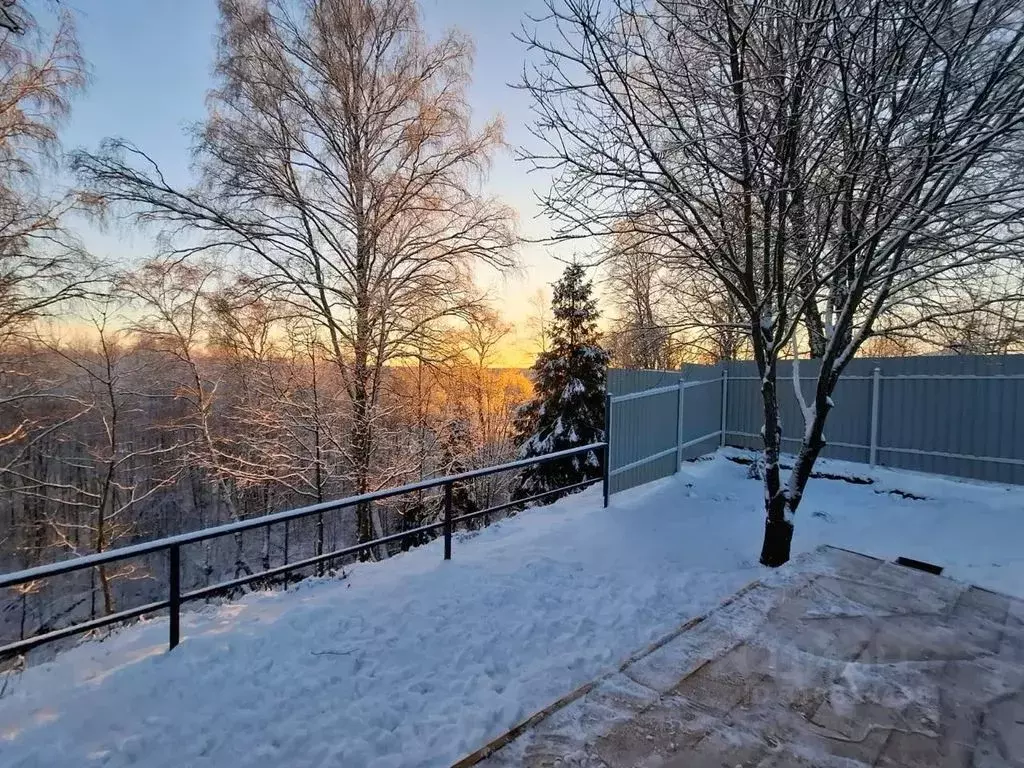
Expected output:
(185, 408)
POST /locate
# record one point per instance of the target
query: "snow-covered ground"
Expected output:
(416, 662)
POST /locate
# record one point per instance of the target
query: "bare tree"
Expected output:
(488, 394)
(711, 323)
(538, 323)
(10, 17)
(41, 264)
(882, 345)
(978, 311)
(635, 286)
(172, 304)
(312, 405)
(475, 348)
(121, 477)
(340, 162)
(106, 459)
(668, 311)
(816, 161)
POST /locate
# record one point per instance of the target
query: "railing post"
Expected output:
(725, 403)
(448, 521)
(606, 465)
(876, 392)
(174, 596)
(286, 542)
(679, 427)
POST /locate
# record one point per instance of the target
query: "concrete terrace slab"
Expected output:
(837, 660)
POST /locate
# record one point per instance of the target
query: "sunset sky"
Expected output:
(151, 68)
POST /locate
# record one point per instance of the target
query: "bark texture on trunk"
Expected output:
(778, 531)
(781, 503)
(778, 536)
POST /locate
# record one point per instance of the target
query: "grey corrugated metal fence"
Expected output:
(951, 415)
(648, 439)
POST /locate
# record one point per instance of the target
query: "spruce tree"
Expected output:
(415, 514)
(567, 409)
(456, 444)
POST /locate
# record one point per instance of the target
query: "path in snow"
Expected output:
(416, 662)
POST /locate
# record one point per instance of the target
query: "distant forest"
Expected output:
(201, 417)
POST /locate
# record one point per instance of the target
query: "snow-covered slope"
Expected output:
(416, 662)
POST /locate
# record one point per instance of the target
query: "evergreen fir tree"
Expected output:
(567, 409)
(415, 514)
(456, 444)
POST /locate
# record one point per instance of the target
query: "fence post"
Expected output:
(606, 472)
(876, 392)
(725, 401)
(679, 430)
(287, 533)
(606, 464)
(174, 596)
(605, 477)
(448, 521)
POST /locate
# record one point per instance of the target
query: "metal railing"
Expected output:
(173, 544)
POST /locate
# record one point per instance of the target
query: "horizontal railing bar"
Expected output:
(145, 548)
(692, 384)
(645, 393)
(916, 451)
(487, 471)
(897, 376)
(527, 500)
(701, 439)
(355, 549)
(213, 589)
(645, 460)
(662, 390)
(786, 377)
(32, 642)
(828, 443)
(952, 376)
(944, 455)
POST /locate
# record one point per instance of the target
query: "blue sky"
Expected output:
(151, 62)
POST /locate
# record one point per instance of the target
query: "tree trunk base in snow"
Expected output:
(778, 535)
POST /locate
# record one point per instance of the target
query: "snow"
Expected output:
(415, 661)
(574, 389)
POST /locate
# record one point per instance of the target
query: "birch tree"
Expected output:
(980, 313)
(636, 289)
(668, 312)
(41, 264)
(340, 164)
(816, 161)
(538, 321)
